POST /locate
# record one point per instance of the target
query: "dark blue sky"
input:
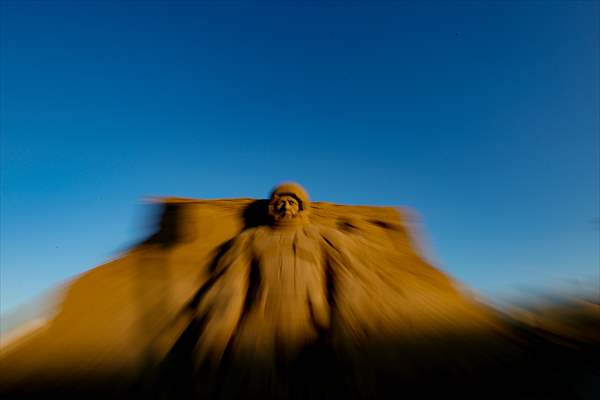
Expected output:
(482, 116)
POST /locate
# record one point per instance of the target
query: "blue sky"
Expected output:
(482, 116)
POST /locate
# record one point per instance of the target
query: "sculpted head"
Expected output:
(289, 204)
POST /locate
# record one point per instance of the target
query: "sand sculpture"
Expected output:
(277, 298)
(293, 283)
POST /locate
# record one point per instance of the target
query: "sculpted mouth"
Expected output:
(287, 214)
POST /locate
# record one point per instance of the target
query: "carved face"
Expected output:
(285, 208)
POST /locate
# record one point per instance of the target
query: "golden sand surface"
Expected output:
(221, 302)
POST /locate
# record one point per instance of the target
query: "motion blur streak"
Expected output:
(284, 298)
